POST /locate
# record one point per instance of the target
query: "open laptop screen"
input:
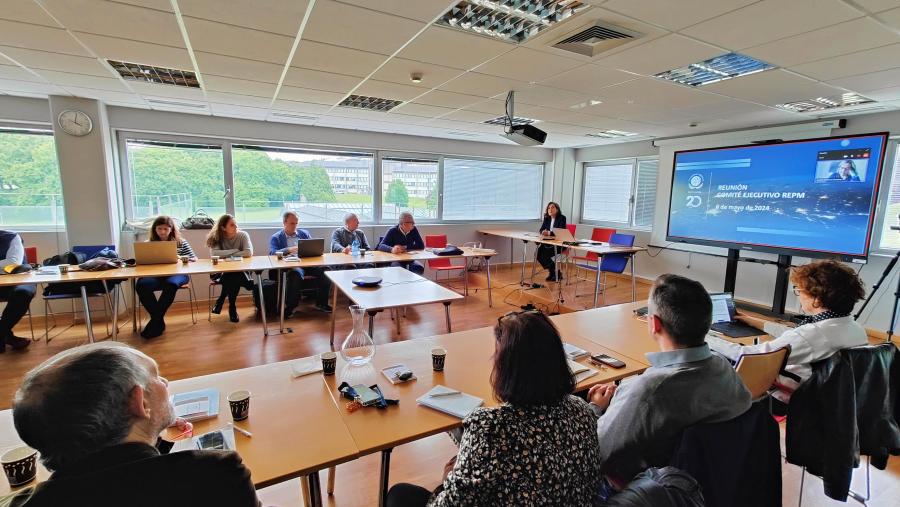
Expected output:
(721, 307)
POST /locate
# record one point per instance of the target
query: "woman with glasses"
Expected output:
(539, 447)
(553, 219)
(827, 291)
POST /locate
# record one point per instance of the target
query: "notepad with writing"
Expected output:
(573, 351)
(197, 405)
(581, 371)
(458, 405)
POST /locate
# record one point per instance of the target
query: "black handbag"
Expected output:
(199, 220)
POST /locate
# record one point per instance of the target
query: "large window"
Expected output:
(620, 193)
(175, 179)
(320, 186)
(30, 189)
(890, 239)
(491, 190)
(409, 184)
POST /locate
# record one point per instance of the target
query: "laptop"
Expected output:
(155, 252)
(723, 320)
(563, 234)
(310, 247)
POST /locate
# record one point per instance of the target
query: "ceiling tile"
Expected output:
(495, 107)
(539, 95)
(306, 95)
(345, 25)
(862, 62)
(56, 61)
(22, 35)
(447, 99)
(399, 70)
(299, 107)
(238, 99)
(394, 91)
(474, 83)
(14, 87)
(650, 92)
(104, 95)
(772, 87)
(406, 119)
(878, 5)
(26, 12)
(528, 65)
(588, 79)
(138, 52)
(318, 80)
(328, 58)
(148, 90)
(239, 86)
(219, 38)
(423, 110)
(453, 48)
(117, 20)
(229, 66)
(232, 111)
(16, 73)
(891, 17)
(825, 43)
(422, 10)
(276, 16)
(868, 82)
(674, 16)
(770, 20)
(659, 55)
(469, 116)
(885, 94)
(160, 5)
(64, 79)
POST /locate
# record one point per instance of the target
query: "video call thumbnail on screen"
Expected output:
(815, 195)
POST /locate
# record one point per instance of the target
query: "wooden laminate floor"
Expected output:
(188, 350)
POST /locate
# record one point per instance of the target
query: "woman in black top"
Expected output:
(553, 219)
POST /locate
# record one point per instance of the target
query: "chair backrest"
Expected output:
(571, 228)
(759, 371)
(91, 250)
(616, 263)
(31, 254)
(437, 241)
(602, 234)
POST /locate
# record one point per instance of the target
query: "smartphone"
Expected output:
(212, 440)
(607, 360)
(366, 395)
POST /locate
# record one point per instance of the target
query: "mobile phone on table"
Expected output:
(365, 394)
(607, 360)
(212, 440)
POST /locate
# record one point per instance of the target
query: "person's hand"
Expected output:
(347, 249)
(292, 250)
(601, 395)
(398, 249)
(750, 321)
(545, 232)
(180, 429)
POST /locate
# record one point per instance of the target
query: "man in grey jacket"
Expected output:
(641, 421)
(343, 237)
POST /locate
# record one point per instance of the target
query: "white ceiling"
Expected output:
(271, 59)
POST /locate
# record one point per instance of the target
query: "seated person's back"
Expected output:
(685, 385)
(94, 413)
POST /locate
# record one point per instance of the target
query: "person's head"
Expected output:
(226, 227)
(91, 397)
(847, 169)
(530, 366)
(552, 210)
(289, 220)
(826, 285)
(351, 221)
(407, 222)
(679, 312)
(163, 229)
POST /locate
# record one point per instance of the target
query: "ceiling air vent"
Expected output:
(462, 133)
(612, 134)
(370, 103)
(151, 74)
(177, 104)
(597, 38)
(503, 120)
(294, 116)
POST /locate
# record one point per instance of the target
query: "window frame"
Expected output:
(41, 129)
(379, 175)
(632, 202)
(544, 195)
(884, 191)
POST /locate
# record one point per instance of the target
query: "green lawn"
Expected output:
(354, 198)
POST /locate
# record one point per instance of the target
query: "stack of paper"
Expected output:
(581, 371)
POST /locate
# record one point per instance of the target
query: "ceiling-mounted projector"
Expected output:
(526, 135)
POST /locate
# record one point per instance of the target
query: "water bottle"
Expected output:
(354, 247)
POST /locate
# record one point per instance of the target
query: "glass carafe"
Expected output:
(358, 348)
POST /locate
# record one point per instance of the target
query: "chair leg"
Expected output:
(802, 478)
(304, 490)
(331, 473)
(31, 323)
(191, 297)
(209, 303)
(465, 274)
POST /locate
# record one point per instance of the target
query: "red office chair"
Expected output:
(444, 265)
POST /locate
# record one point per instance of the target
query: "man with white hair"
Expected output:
(95, 413)
(342, 237)
(404, 237)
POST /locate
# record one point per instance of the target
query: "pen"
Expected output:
(447, 393)
(240, 430)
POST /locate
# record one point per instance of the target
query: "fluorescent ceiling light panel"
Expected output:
(151, 74)
(720, 68)
(822, 103)
(612, 134)
(509, 20)
(503, 120)
(370, 103)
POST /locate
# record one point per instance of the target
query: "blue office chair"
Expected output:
(609, 263)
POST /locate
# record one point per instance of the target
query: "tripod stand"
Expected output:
(884, 275)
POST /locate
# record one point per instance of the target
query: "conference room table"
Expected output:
(598, 248)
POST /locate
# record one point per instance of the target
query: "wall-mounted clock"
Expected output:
(74, 122)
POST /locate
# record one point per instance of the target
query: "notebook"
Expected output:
(197, 405)
(581, 371)
(458, 405)
(391, 373)
(306, 366)
(574, 352)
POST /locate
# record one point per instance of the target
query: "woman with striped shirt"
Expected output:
(163, 229)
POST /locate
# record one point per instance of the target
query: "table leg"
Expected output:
(632, 278)
(281, 283)
(372, 324)
(332, 471)
(596, 283)
(87, 314)
(134, 305)
(115, 309)
(524, 258)
(315, 490)
(487, 262)
(385, 474)
(510, 253)
(447, 316)
(262, 303)
(334, 292)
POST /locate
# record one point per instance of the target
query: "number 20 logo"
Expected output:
(693, 201)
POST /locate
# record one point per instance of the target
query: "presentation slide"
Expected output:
(814, 195)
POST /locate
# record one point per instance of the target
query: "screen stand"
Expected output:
(731, 266)
(782, 273)
(779, 298)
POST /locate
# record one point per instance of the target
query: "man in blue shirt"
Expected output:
(285, 241)
(402, 238)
